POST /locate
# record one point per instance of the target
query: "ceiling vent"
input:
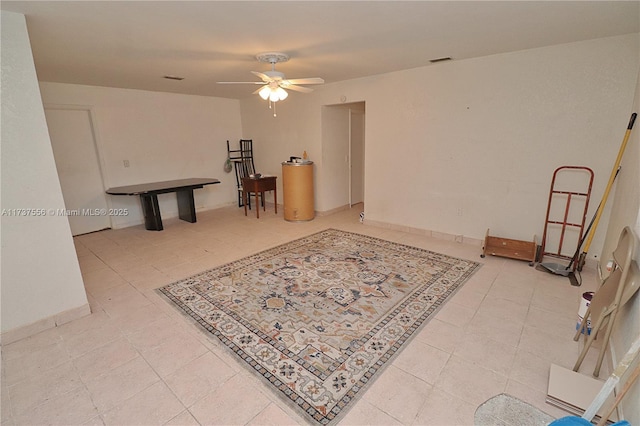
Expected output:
(433, 61)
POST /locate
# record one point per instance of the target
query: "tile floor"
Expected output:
(136, 361)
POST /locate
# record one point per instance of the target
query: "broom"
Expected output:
(614, 173)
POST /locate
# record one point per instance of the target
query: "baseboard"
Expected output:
(44, 324)
(332, 211)
(172, 214)
(425, 232)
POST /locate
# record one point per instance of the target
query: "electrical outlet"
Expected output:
(126, 163)
(459, 211)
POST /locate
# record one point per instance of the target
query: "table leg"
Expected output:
(275, 199)
(257, 206)
(244, 201)
(151, 212)
(186, 205)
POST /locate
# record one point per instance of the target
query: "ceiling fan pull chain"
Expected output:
(272, 105)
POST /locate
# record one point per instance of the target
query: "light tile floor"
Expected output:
(136, 360)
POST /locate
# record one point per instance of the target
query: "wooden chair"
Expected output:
(243, 165)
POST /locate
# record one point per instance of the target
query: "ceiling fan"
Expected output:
(273, 82)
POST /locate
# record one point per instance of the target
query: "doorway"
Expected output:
(75, 151)
(356, 150)
(343, 153)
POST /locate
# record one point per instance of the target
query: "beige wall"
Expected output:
(463, 146)
(625, 211)
(456, 147)
(41, 281)
(164, 136)
(483, 137)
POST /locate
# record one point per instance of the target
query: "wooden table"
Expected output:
(259, 185)
(148, 193)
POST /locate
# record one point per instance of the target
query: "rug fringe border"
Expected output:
(257, 378)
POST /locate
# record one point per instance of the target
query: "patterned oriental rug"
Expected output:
(319, 317)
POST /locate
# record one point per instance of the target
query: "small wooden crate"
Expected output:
(513, 249)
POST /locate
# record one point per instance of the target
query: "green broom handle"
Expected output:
(610, 183)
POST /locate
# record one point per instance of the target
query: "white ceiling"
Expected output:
(134, 44)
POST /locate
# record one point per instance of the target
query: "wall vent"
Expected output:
(173, 77)
(433, 61)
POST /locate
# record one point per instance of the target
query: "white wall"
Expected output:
(357, 153)
(40, 275)
(335, 156)
(480, 137)
(625, 211)
(463, 146)
(296, 129)
(164, 136)
(485, 135)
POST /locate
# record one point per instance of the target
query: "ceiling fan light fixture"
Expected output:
(273, 94)
(282, 93)
(265, 92)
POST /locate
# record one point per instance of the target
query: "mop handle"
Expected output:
(584, 237)
(630, 381)
(610, 183)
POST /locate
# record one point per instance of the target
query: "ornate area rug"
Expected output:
(319, 317)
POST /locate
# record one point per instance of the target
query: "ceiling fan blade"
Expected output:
(260, 88)
(240, 82)
(311, 80)
(265, 78)
(297, 88)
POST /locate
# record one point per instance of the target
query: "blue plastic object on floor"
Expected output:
(570, 421)
(579, 421)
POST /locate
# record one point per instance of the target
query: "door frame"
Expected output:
(349, 164)
(360, 154)
(97, 145)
